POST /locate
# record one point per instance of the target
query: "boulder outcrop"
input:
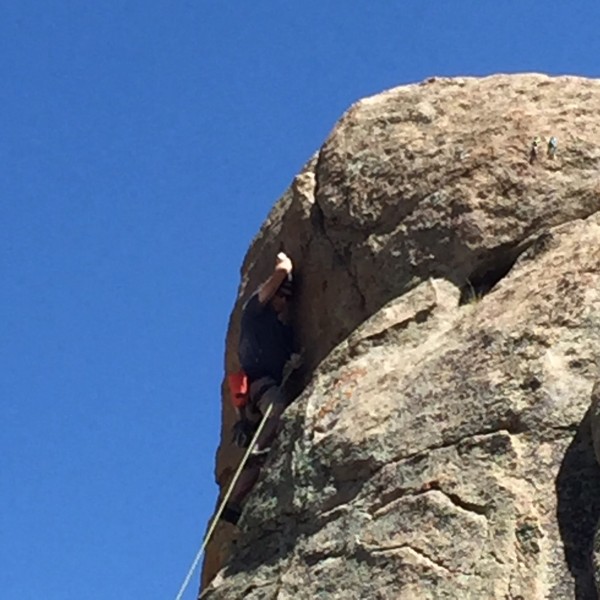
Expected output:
(441, 442)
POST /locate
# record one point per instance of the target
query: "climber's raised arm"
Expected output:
(283, 268)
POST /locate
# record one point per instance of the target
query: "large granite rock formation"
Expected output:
(440, 445)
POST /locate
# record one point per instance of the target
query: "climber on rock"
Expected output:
(265, 352)
(535, 146)
(552, 146)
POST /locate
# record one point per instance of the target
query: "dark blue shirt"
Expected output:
(265, 342)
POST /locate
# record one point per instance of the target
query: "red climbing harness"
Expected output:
(239, 389)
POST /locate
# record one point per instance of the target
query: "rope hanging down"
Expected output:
(222, 505)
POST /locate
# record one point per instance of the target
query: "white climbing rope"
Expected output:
(222, 505)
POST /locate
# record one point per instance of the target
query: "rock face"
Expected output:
(440, 445)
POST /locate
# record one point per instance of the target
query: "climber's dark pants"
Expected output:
(263, 393)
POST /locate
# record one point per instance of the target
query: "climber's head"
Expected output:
(282, 297)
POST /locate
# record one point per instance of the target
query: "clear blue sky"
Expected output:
(142, 143)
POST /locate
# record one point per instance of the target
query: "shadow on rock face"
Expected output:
(578, 509)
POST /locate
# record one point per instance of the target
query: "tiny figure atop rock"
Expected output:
(533, 153)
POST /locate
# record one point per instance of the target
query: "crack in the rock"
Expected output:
(257, 586)
(452, 442)
(373, 548)
(425, 488)
(510, 427)
(313, 558)
(471, 507)
(386, 498)
(397, 493)
(322, 227)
